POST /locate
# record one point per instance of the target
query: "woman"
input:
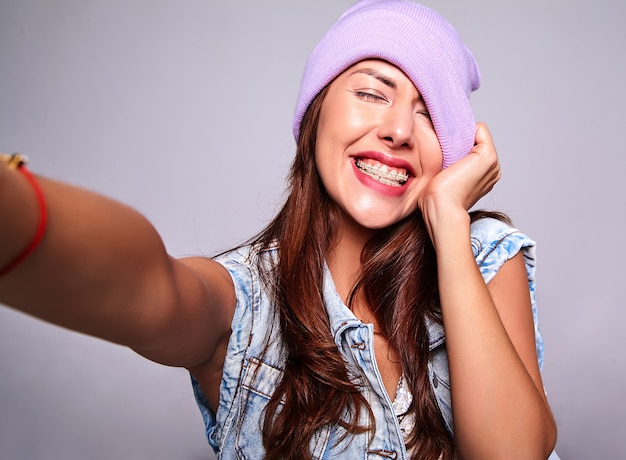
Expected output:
(324, 337)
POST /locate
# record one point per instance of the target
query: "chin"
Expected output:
(374, 215)
(379, 222)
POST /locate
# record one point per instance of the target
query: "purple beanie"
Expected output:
(422, 44)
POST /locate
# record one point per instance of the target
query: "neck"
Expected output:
(344, 263)
(344, 256)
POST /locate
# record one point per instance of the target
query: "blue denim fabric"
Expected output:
(248, 381)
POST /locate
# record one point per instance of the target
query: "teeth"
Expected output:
(382, 174)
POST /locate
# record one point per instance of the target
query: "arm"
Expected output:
(102, 269)
(499, 407)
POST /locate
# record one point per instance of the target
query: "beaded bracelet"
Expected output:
(18, 161)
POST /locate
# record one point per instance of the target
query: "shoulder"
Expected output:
(494, 242)
(248, 255)
(240, 256)
(245, 262)
(250, 268)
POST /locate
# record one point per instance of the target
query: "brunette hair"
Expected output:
(398, 279)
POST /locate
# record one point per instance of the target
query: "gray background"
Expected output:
(183, 110)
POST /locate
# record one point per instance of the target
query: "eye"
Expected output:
(370, 96)
(424, 114)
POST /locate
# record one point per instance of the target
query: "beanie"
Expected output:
(420, 42)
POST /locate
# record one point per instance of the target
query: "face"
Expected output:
(376, 147)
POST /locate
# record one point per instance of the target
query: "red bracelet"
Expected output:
(18, 162)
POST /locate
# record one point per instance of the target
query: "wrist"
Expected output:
(446, 222)
(24, 219)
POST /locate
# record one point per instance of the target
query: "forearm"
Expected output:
(95, 258)
(499, 408)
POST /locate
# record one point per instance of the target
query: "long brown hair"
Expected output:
(399, 281)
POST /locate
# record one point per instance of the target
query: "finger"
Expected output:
(483, 140)
(485, 147)
(483, 135)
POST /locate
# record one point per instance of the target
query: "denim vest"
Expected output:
(248, 381)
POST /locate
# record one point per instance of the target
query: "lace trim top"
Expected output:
(401, 404)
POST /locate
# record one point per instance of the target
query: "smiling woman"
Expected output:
(374, 316)
(376, 148)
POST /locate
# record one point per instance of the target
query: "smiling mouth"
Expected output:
(395, 177)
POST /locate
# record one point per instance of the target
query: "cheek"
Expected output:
(322, 152)
(333, 137)
(324, 162)
(431, 156)
(341, 119)
(326, 135)
(435, 159)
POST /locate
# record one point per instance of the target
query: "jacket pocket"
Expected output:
(258, 383)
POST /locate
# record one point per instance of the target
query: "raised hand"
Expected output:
(457, 188)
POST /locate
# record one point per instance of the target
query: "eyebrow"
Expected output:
(377, 75)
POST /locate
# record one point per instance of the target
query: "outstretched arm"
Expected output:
(499, 407)
(102, 269)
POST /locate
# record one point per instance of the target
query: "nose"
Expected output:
(397, 126)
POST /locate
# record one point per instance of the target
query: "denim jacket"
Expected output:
(248, 381)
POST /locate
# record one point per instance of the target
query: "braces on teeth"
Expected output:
(392, 178)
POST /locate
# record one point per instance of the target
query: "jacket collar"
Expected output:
(342, 318)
